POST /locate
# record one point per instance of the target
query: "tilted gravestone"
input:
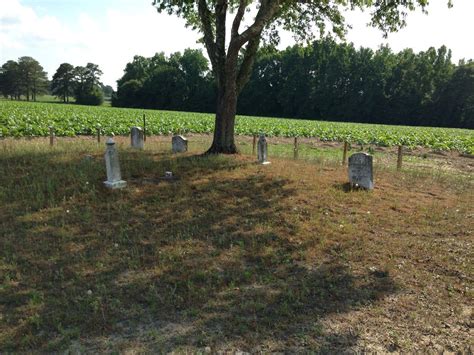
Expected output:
(179, 144)
(137, 138)
(114, 176)
(262, 150)
(361, 171)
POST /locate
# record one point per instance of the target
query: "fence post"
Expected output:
(400, 157)
(144, 127)
(51, 136)
(98, 134)
(344, 154)
(295, 149)
(254, 144)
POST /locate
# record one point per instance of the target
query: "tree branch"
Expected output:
(247, 63)
(238, 18)
(221, 15)
(268, 9)
(205, 16)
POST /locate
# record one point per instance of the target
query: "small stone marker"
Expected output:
(137, 140)
(179, 144)
(360, 171)
(262, 150)
(114, 177)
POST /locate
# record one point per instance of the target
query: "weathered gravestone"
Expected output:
(114, 177)
(179, 144)
(262, 150)
(137, 137)
(360, 171)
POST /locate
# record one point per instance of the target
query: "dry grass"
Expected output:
(229, 256)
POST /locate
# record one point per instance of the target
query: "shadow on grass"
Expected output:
(208, 260)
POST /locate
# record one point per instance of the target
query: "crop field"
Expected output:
(20, 119)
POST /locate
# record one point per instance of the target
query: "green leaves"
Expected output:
(19, 119)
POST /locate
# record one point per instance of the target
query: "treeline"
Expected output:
(323, 81)
(178, 82)
(26, 78)
(338, 82)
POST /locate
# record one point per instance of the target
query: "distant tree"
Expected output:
(454, 101)
(165, 88)
(129, 94)
(107, 90)
(87, 88)
(10, 80)
(62, 84)
(33, 79)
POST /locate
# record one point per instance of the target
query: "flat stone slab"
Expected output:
(115, 184)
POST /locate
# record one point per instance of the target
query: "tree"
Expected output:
(63, 82)
(454, 101)
(107, 90)
(87, 88)
(232, 62)
(33, 79)
(10, 80)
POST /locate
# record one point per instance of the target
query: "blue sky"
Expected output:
(111, 32)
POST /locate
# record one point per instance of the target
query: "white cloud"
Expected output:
(110, 42)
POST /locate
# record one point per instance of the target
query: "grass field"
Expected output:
(231, 255)
(18, 119)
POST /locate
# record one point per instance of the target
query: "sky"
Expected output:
(110, 32)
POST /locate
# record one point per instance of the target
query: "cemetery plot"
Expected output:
(224, 254)
(18, 119)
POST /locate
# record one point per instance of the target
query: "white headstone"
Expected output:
(262, 150)
(179, 144)
(361, 171)
(114, 177)
(137, 138)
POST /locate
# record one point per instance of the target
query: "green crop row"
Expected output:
(18, 119)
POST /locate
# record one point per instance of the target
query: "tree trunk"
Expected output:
(223, 141)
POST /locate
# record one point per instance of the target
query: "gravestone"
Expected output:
(360, 171)
(262, 150)
(114, 177)
(179, 144)
(137, 138)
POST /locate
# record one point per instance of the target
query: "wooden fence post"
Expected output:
(51, 136)
(254, 144)
(344, 154)
(144, 127)
(400, 157)
(98, 135)
(295, 149)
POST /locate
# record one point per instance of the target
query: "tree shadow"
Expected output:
(213, 253)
